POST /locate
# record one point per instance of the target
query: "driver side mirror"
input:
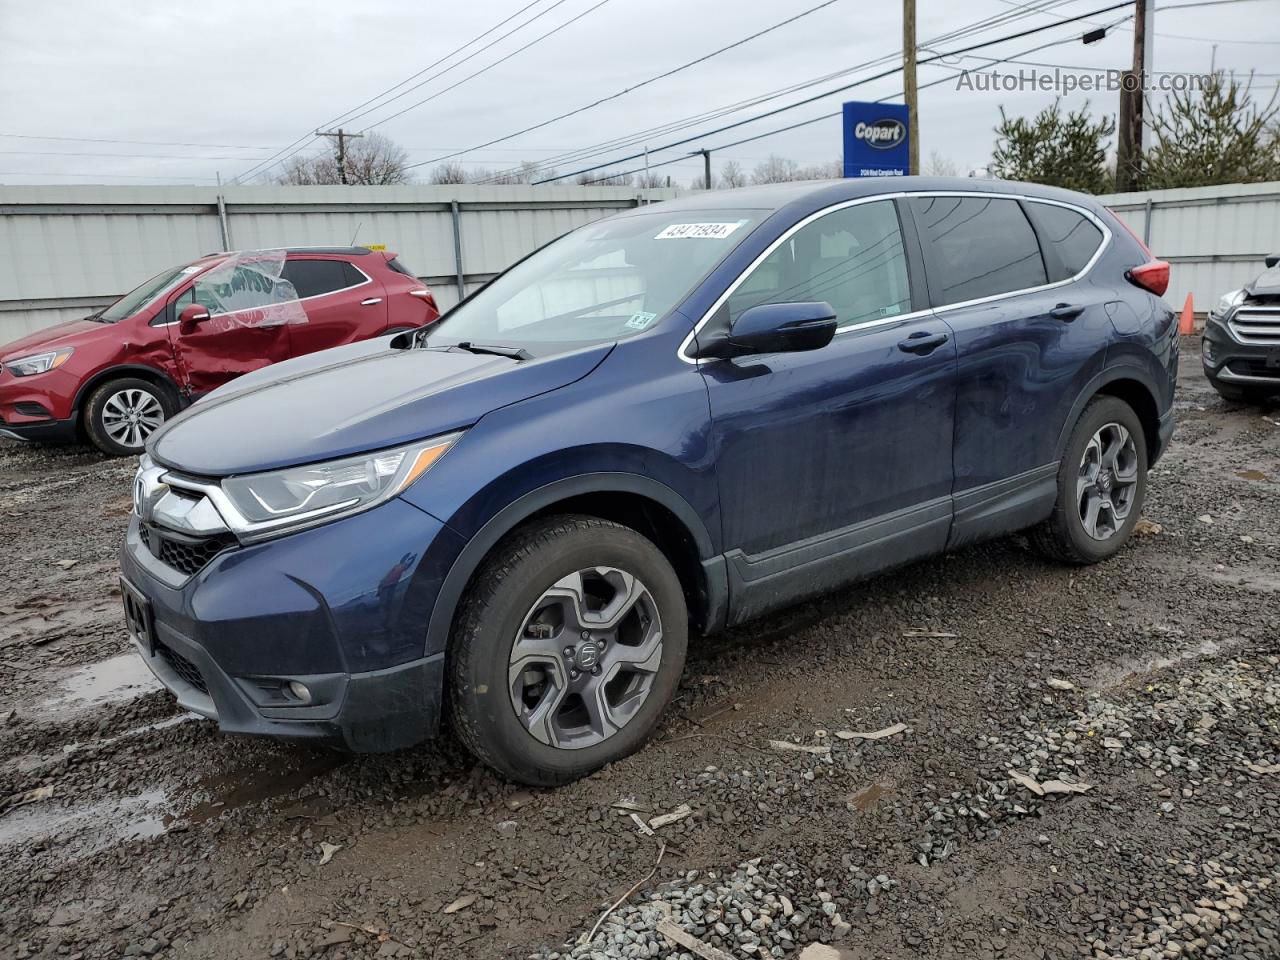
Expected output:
(1272, 260)
(192, 315)
(777, 328)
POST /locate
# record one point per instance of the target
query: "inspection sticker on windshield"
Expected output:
(640, 320)
(698, 231)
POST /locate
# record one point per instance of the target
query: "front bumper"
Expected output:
(1228, 360)
(43, 431)
(340, 608)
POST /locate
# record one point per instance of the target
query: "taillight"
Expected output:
(1152, 275)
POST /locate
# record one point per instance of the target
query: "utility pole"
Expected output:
(706, 167)
(342, 137)
(1130, 139)
(909, 83)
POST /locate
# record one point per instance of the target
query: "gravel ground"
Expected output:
(1086, 763)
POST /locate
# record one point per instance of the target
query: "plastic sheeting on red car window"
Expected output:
(249, 290)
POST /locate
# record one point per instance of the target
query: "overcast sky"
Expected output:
(242, 78)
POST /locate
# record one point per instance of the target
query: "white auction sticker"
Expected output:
(699, 231)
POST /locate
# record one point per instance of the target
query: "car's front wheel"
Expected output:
(121, 414)
(1102, 483)
(566, 650)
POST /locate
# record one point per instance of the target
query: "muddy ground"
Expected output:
(127, 829)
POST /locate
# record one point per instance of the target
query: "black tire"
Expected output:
(1063, 536)
(95, 413)
(508, 585)
(1238, 394)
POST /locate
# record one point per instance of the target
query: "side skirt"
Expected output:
(1006, 506)
(767, 581)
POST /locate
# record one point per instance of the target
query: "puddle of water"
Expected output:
(115, 680)
(1255, 475)
(254, 785)
(85, 828)
(32, 762)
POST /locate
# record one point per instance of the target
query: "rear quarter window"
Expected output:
(1071, 235)
(312, 278)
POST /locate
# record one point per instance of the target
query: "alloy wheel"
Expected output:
(130, 416)
(584, 661)
(1108, 481)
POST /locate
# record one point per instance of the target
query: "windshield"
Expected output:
(139, 297)
(602, 282)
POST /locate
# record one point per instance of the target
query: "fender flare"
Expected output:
(509, 517)
(124, 370)
(1118, 371)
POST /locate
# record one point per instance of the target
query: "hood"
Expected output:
(344, 401)
(1266, 286)
(68, 334)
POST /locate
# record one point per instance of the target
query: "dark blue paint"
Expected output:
(750, 455)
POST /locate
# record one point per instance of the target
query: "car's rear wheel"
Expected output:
(121, 414)
(566, 650)
(1102, 483)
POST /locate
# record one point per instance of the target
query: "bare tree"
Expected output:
(372, 160)
(651, 180)
(940, 166)
(831, 170)
(731, 175)
(775, 169)
(449, 173)
(700, 182)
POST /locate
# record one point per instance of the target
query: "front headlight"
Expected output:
(1228, 301)
(263, 503)
(38, 362)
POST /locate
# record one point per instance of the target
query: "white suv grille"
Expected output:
(1256, 325)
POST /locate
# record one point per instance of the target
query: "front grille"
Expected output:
(187, 555)
(1252, 324)
(183, 667)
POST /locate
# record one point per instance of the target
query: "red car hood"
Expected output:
(68, 334)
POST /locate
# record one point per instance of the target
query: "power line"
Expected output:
(633, 87)
(836, 113)
(306, 139)
(140, 143)
(1023, 10)
(501, 60)
(142, 156)
(849, 86)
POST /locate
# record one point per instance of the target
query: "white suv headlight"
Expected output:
(1229, 300)
(260, 504)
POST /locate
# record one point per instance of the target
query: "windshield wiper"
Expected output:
(497, 349)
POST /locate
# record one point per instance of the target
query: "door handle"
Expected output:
(370, 301)
(922, 342)
(1066, 312)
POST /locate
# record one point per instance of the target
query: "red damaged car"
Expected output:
(116, 375)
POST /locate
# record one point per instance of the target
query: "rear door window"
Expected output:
(1072, 235)
(979, 247)
(312, 278)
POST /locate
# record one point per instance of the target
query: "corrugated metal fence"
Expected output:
(1213, 237)
(66, 250)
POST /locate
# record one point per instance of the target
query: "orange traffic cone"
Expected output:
(1187, 323)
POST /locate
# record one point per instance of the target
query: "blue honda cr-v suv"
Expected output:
(674, 419)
